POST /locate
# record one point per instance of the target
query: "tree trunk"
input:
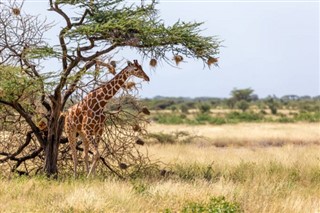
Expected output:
(55, 128)
(51, 156)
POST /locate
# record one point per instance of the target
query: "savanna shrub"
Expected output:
(169, 118)
(216, 204)
(234, 117)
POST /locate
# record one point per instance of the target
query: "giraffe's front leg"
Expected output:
(96, 154)
(95, 158)
(98, 131)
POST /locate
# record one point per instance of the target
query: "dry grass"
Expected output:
(261, 178)
(249, 134)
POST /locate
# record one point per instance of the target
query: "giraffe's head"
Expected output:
(136, 70)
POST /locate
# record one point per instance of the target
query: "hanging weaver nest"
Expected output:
(212, 60)
(129, 85)
(113, 63)
(16, 11)
(42, 125)
(153, 62)
(177, 59)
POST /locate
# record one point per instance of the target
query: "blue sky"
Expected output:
(269, 46)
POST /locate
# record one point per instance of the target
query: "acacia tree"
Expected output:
(96, 30)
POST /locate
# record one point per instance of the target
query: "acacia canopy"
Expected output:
(117, 24)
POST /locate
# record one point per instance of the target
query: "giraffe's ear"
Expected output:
(129, 63)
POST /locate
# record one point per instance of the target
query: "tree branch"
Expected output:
(27, 117)
(99, 53)
(86, 12)
(19, 150)
(74, 84)
(32, 155)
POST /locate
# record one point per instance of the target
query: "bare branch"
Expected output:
(29, 120)
(19, 150)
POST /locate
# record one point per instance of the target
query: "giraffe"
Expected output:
(87, 117)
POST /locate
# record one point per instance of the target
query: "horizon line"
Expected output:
(199, 1)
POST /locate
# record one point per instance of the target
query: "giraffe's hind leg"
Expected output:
(73, 143)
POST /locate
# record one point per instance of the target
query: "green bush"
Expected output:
(169, 118)
(184, 109)
(215, 205)
(190, 172)
(202, 118)
(204, 108)
(217, 120)
(235, 117)
(243, 105)
(308, 116)
(285, 120)
(273, 109)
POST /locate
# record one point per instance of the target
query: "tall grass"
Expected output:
(190, 185)
(195, 177)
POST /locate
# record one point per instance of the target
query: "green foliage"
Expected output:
(308, 116)
(196, 111)
(40, 52)
(191, 172)
(184, 109)
(16, 85)
(243, 105)
(202, 118)
(273, 105)
(309, 106)
(235, 117)
(242, 94)
(204, 108)
(215, 205)
(118, 23)
(173, 108)
(207, 118)
(284, 119)
(164, 104)
(217, 120)
(169, 118)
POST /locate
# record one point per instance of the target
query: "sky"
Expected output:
(269, 46)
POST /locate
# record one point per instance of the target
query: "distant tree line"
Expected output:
(242, 99)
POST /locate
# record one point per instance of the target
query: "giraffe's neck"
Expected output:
(106, 91)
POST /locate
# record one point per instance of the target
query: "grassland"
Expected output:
(265, 167)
